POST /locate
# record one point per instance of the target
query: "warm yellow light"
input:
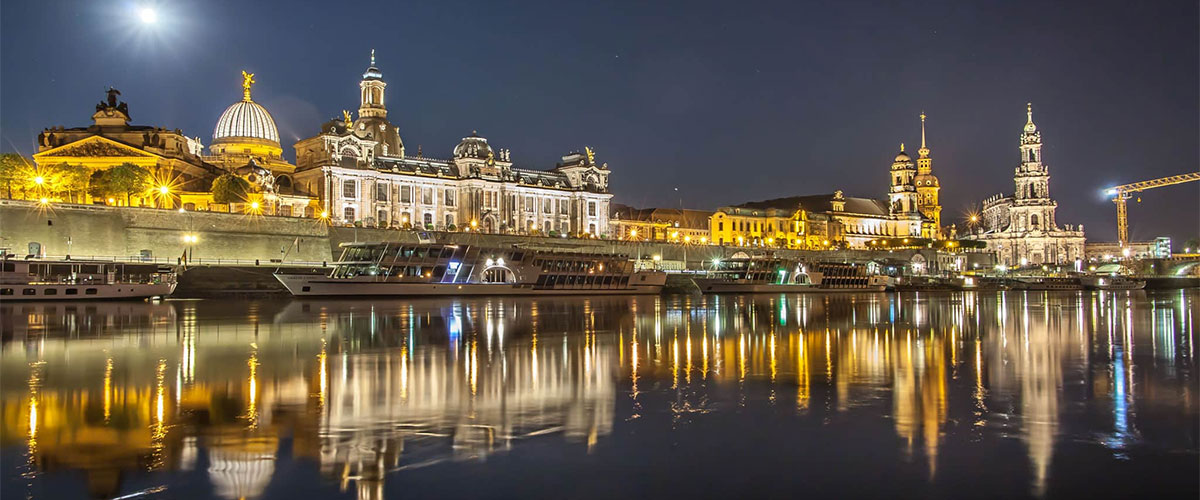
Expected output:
(633, 233)
(826, 242)
(974, 218)
(324, 214)
(44, 201)
(254, 205)
(39, 180)
(657, 258)
(474, 223)
(164, 189)
(674, 234)
(687, 239)
(703, 239)
(111, 201)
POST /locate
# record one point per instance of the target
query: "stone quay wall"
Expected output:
(236, 239)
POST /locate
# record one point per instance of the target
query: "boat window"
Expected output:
(419, 252)
(90, 291)
(591, 280)
(29, 291)
(447, 252)
(517, 256)
(9, 267)
(6, 291)
(541, 281)
(72, 291)
(608, 280)
(50, 291)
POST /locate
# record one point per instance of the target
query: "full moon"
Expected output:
(147, 15)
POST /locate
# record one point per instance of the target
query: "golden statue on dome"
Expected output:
(591, 155)
(346, 118)
(247, 81)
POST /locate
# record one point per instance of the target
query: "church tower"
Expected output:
(902, 196)
(371, 103)
(927, 189)
(1032, 210)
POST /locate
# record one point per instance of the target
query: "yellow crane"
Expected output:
(1123, 192)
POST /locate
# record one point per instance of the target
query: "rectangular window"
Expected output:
(90, 291)
(529, 204)
(382, 217)
(349, 189)
(29, 291)
(427, 196)
(348, 214)
(6, 291)
(547, 205)
(449, 197)
(591, 209)
(720, 226)
(50, 291)
(449, 221)
(381, 192)
(564, 207)
(72, 291)
(405, 194)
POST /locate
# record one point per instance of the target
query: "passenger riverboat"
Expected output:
(770, 274)
(1047, 283)
(399, 269)
(36, 279)
(1112, 282)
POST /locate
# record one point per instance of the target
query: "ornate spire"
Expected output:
(372, 57)
(924, 151)
(902, 147)
(1029, 126)
(247, 81)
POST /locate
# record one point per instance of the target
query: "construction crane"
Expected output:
(1123, 192)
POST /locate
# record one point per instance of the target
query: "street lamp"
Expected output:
(190, 240)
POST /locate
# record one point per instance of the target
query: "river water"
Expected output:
(950, 395)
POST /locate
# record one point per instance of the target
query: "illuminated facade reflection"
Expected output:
(366, 391)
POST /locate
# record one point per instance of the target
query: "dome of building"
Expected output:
(473, 147)
(246, 120)
(902, 158)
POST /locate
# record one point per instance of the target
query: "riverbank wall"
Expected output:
(213, 238)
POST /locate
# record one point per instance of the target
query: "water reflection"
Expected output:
(230, 390)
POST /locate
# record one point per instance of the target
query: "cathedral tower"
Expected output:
(371, 101)
(1033, 210)
(903, 194)
(927, 188)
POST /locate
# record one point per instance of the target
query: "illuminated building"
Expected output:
(912, 210)
(364, 174)
(1021, 229)
(660, 224)
(928, 187)
(111, 141)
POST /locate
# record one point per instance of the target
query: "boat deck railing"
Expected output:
(137, 259)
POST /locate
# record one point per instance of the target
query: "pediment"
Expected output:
(95, 146)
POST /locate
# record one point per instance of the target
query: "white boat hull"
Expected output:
(56, 291)
(311, 285)
(725, 286)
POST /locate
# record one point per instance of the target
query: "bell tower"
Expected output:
(928, 187)
(371, 103)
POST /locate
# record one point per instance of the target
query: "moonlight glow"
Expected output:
(147, 15)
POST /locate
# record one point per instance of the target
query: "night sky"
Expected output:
(726, 101)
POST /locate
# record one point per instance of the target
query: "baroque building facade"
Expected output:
(111, 141)
(1022, 229)
(912, 210)
(363, 174)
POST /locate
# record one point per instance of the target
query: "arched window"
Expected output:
(1033, 221)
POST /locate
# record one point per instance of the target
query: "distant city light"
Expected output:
(39, 180)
